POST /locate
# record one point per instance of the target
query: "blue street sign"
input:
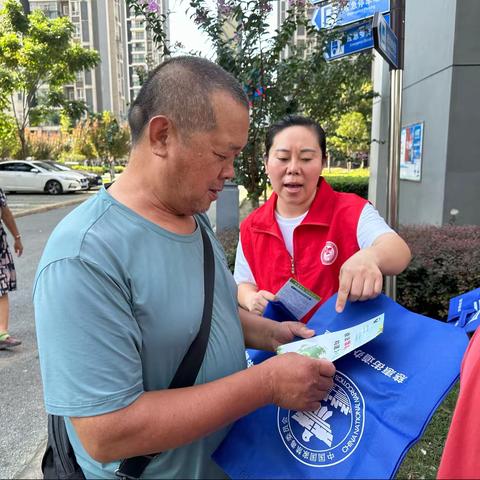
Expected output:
(385, 41)
(332, 15)
(353, 40)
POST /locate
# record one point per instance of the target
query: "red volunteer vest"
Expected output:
(323, 241)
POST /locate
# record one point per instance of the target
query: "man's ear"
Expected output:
(160, 128)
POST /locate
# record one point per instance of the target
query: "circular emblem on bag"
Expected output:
(329, 253)
(330, 434)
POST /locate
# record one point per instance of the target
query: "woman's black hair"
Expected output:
(296, 121)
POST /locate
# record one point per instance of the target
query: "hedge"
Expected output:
(99, 170)
(445, 263)
(349, 184)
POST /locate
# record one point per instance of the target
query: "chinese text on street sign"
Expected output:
(332, 15)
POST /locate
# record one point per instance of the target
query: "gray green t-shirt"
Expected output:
(118, 301)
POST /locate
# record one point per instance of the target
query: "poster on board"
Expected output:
(411, 146)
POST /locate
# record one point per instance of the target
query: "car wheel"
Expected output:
(53, 187)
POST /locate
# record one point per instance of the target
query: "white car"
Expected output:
(35, 176)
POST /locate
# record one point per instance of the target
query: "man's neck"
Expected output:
(134, 190)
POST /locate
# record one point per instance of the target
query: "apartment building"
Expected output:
(124, 43)
(300, 37)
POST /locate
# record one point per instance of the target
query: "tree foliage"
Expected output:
(37, 58)
(110, 140)
(250, 48)
(8, 138)
(352, 136)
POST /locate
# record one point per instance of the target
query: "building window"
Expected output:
(74, 10)
(138, 58)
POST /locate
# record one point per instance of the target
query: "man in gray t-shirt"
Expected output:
(119, 294)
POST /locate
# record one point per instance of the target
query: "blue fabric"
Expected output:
(385, 392)
(464, 310)
(276, 310)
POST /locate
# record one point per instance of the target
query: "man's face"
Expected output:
(201, 163)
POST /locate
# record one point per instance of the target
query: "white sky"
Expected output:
(184, 30)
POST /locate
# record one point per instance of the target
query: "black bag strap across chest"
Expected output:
(59, 458)
(187, 371)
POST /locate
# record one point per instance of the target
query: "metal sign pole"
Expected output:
(396, 86)
(396, 83)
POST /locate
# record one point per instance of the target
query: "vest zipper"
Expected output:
(292, 269)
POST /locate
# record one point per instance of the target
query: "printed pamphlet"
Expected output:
(334, 345)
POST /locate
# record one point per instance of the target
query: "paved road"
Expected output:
(23, 203)
(22, 417)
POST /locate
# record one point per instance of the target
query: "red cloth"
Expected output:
(328, 229)
(461, 457)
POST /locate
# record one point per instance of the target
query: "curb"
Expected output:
(32, 469)
(45, 208)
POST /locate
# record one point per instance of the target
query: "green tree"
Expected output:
(352, 136)
(245, 46)
(81, 141)
(8, 138)
(37, 58)
(109, 139)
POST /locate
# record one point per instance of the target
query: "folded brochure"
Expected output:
(334, 345)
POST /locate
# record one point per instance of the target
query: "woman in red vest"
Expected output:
(328, 241)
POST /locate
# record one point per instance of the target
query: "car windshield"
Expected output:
(61, 167)
(47, 166)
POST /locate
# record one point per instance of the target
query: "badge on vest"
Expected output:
(329, 253)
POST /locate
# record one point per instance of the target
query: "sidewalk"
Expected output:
(32, 470)
(45, 208)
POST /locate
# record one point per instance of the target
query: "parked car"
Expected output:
(94, 179)
(35, 176)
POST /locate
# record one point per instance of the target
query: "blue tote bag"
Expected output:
(384, 394)
(464, 310)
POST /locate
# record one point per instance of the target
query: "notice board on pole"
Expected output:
(411, 150)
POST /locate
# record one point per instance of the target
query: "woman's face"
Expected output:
(294, 163)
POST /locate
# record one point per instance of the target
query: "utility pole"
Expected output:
(397, 16)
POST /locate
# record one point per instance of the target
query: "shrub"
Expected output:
(98, 170)
(43, 145)
(446, 263)
(67, 156)
(349, 183)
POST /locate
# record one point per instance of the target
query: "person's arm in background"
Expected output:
(461, 456)
(9, 221)
(249, 296)
(361, 276)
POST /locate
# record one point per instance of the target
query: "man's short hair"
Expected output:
(181, 88)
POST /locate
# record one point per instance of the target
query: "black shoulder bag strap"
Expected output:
(132, 468)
